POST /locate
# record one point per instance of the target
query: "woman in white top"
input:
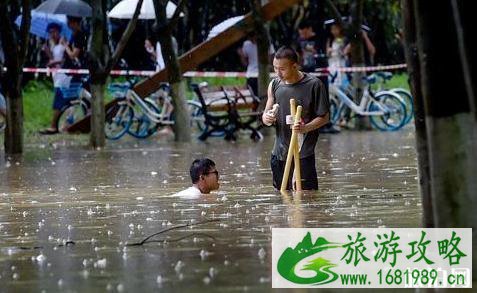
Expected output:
(56, 55)
(335, 51)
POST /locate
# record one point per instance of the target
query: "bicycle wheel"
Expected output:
(408, 101)
(196, 115)
(118, 120)
(394, 112)
(198, 119)
(141, 126)
(71, 114)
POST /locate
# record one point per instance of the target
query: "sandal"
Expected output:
(48, 131)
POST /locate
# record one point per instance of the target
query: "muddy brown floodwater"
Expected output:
(67, 213)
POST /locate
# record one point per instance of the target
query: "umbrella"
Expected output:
(217, 29)
(40, 21)
(125, 10)
(345, 19)
(75, 8)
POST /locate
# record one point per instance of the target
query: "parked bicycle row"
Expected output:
(388, 109)
(221, 112)
(213, 111)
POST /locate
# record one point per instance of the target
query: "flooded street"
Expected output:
(67, 213)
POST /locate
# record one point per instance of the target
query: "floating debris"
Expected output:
(179, 265)
(203, 254)
(100, 263)
(262, 253)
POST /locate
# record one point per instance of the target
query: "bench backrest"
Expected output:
(222, 98)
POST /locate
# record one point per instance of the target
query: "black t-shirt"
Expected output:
(79, 41)
(310, 93)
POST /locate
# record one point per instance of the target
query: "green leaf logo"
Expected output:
(322, 267)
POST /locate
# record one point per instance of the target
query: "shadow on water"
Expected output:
(104, 200)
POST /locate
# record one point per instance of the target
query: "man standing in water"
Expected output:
(205, 178)
(310, 93)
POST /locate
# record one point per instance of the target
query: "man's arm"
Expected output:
(71, 49)
(369, 44)
(313, 124)
(266, 119)
(54, 63)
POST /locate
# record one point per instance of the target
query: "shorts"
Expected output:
(59, 101)
(309, 177)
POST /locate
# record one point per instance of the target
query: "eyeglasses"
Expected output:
(213, 172)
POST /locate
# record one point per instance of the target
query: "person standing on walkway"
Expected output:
(76, 47)
(249, 57)
(312, 51)
(335, 51)
(55, 51)
(310, 93)
(75, 53)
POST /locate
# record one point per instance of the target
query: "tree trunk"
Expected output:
(15, 49)
(100, 64)
(412, 59)
(182, 120)
(263, 51)
(181, 125)
(14, 131)
(357, 58)
(99, 57)
(450, 123)
(465, 22)
(97, 137)
(182, 117)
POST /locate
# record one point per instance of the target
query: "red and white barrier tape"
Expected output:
(319, 71)
(364, 68)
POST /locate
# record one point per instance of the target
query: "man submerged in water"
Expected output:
(205, 178)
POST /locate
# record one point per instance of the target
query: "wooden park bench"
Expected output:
(227, 110)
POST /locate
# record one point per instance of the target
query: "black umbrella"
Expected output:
(76, 8)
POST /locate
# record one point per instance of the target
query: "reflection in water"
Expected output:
(104, 200)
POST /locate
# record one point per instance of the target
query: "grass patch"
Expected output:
(37, 106)
(399, 80)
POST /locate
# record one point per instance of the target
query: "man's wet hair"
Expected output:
(200, 167)
(286, 52)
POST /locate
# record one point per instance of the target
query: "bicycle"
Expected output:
(136, 116)
(196, 111)
(385, 76)
(386, 110)
(78, 106)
